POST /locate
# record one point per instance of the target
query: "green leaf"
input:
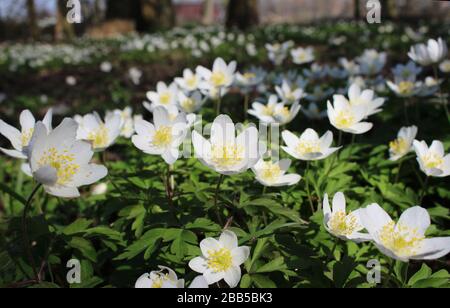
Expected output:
(423, 273)
(273, 266)
(85, 247)
(78, 226)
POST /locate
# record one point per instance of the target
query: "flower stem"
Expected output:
(443, 101)
(246, 100)
(424, 189)
(391, 271)
(398, 172)
(308, 190)
(26, 240)
(216, 197)
(169, 191)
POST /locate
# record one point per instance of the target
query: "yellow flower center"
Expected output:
(270, 172)
(218, 79)
(405, 87)
(162, 137)
(432, 160)
(220, 260)
(344, 119)
(227, 155)
(343, 225)
(192, 81)
(284, 112)
(165, 98)
(99, 138)
(398, 146)
(63, 162)
(249, 75)
(26, 136)
(402, 240)
(308, 147)
(268, 111)
(188, 104)
(157, 283)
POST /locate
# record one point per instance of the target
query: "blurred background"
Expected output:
(45, 19)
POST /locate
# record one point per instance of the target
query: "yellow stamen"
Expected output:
(405, 87)
(218, 79)
(26, 136)
(220, 260)
(62, 161)
(188, 104)
(270, 172)
(308, 147)
(399, 146)
(162, 137)
(343, 225)
(227, 155)
(402, 240)
(99, 138)
(249, 75)
(344, 119)
(432, 160)
(165, 98)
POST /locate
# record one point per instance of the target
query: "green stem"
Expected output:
(26, 240)
(333, 250)
(441, 97)
(246, 101)
(308, 190)
(424, 189)
(216, 197)
(398, 172)
(405, 111)
(391, 271)
(169, 192)
(219, 102)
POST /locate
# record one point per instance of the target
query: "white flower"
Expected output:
(135, 75)
(404, 240)
(445, 66)
(164, 95)
(346, 117)
(339, 223)
(365, 98)
(165, 278)
(189, 82)
(277, 52)
(163, 137)
(221, 75)
(405, 88)
(251, 78)
(403, 144)
(432, 53)
(274, 112)
(190, 103)
(221, 259)
(350, 66)
(106, 67)
(21, 139)
(302, 55)
(288, 94)
(432, 160)
(313, 112)
(127, 120)
(224, 152)
(100, 134)
(61, 162)
(71, 81)
(309, 146)
(99, 189)
(371, 62)
(273, 174)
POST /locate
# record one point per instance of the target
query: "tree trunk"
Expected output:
(208, 12)
(120, 9)
(357, 9)
(242, 14)
(157, 14)
(63, 29)
(32, 19)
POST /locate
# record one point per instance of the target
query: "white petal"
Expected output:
(209, 244)
(12, 134)
(339, 203)
(433, 248)
(240, 255)
(199, 282)
(233, 276)
(374, 218)
(144, 282)
(46, 175)
(417, 218)
(228, 239)
(64, 192)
